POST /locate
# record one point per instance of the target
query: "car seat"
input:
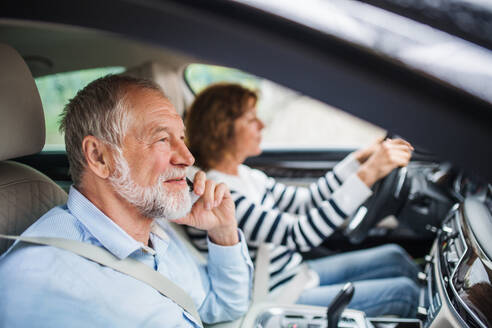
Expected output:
(25, 194)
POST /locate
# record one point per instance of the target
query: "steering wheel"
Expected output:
(389, 197)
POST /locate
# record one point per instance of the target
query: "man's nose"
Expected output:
(181, 155)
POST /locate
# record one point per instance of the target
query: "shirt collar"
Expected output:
(159, 231)
(101, 227)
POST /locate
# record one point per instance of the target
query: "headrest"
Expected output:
(166, 77)
(22, 130)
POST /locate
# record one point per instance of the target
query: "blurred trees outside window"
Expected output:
(56, 90)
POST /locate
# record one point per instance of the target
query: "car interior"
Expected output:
(437, 212)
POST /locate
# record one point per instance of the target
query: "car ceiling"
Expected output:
(455, 125)
(50, 48)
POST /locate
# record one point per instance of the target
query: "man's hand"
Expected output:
(214, 211)
(391, 153)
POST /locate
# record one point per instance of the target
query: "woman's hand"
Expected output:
(214, 211)
(363, 154)
(390, 154)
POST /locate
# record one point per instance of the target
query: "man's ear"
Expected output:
(98, 156)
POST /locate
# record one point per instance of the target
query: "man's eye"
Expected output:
(164, 140)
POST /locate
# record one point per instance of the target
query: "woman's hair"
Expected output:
(210, 121)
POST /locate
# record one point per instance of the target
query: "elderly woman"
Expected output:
(222, 130)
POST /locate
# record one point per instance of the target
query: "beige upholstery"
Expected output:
(25, 194)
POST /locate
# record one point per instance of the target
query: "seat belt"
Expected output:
(260, 283)
(128, 266)
(290, 292)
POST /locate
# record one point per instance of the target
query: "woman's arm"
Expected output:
(293, 199)
(301, 231)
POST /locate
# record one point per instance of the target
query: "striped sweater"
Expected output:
(293, 219)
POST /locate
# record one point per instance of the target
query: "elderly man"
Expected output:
(128, 161)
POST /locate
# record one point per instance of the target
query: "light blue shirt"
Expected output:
(43, 286)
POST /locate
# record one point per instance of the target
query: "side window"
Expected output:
(291, 119)
(56, 90)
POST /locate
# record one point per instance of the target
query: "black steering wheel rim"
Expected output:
(389, 197)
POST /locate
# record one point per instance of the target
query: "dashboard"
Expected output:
(459, 268)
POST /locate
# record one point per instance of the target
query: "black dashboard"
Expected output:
(459, 267)
(462, 266)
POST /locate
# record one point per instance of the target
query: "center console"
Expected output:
(314, 317)
(293, 317)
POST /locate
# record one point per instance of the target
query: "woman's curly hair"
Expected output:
(210, 121)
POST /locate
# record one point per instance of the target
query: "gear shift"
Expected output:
(339, 304)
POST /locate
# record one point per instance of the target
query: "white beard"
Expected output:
(156, 201)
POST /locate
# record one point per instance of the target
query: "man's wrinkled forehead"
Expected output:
(152, 113)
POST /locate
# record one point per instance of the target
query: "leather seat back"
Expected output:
(25, 194)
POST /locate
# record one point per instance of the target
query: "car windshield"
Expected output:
(448, 58)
